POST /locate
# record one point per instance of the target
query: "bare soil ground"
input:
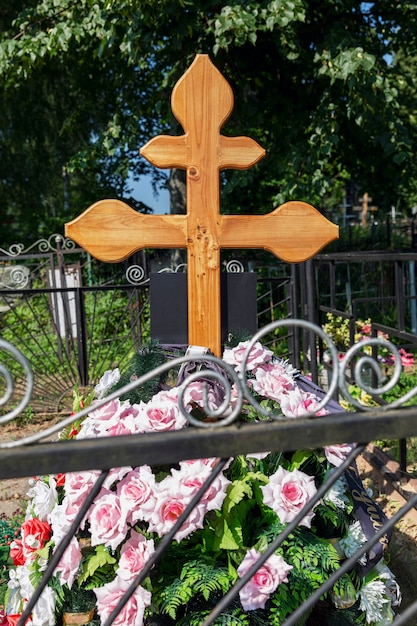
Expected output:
(382, 475)
(13, 491)
(378, 472)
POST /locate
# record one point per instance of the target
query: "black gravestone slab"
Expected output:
(168, 301)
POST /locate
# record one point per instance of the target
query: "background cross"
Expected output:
(110, 230)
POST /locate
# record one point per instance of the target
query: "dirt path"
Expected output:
(382, 475)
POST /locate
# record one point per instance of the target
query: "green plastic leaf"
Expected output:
(100, 558)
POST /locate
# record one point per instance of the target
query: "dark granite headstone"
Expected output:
(168, 301)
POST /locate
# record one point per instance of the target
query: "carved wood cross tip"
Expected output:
(110, 230)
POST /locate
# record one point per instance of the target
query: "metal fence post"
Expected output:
(81, 336)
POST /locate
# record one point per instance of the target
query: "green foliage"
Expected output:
(197, 578)
(30, 323)
(76, 600)
(97, 567)
(148, 357)
(313, 562)
(231, 617)
(9, 530)
(327, 88)
(237, 25)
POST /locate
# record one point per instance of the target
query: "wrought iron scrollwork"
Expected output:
(16, 277)
(234, 267)
(235, 390)
(135, 275)
(51, 244)
(8, 380)
(359, 361)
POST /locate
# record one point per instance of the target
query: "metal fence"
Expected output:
(222, 436)
(74, 317)
(379, 287)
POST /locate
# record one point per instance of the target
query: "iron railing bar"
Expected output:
(273, 306)
(166, 541)
(402, 618)
(101, 342)
(27, 346)
(136, 319)
(91, 319)
(349, 563)
(41, 328)
(291, 526)
(62, 546)
(50, 381)
(270, 292)
(37, 255)
(49, 342)
(117, 335)
(17, 460)
(156, 372)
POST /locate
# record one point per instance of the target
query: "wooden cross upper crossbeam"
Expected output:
(110, 230)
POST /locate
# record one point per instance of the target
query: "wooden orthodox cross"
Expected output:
(110, 230)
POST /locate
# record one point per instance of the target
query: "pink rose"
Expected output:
(162, 413)
(100, 419)
(297, 403)
(107, 521)
(193, 475)
(258, 355)
(272, 381)
(288, 492)
(109, 596)
(115, 475)
(79, 484)
(133, 555)
(271, 574)
(69, 564)
(136, 493)
(337, 453)
(171, 500)
(71, 507)
(194, 394)
(127, 422)
(407, 358)
(106, 412)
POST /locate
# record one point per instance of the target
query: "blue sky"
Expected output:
(143, 191)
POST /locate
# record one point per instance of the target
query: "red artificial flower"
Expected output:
(39, 532)
(60, 480)
(73, 432)
(13, 620)
(16, 553)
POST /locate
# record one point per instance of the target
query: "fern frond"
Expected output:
(198, 578)
(232, 617)
(173, 596)
(206, 578)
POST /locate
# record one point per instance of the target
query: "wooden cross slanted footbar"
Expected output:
(111, 231)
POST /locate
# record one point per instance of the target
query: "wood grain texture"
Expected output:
(294, 232)
(202, 100)
(111, 231)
